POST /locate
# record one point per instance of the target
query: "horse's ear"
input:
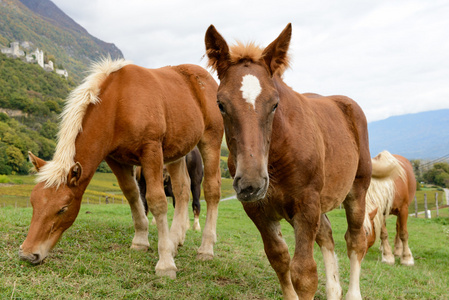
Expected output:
(75, 174)
(217, 51)
(36, 161)
(275, 54)
(372, 214)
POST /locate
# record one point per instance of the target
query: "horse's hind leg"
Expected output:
(128, 185)
(210, 152)
(326, 242)
(180, 182)
(196, 206)
(387, 255)
(402, 235)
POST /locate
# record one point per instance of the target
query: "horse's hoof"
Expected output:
(204, 256)
(353, 296)
(389, 260)
(166, 273)
(408, 262)
(137, 247)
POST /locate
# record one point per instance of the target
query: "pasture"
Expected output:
(93, 260)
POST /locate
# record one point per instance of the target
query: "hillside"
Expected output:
(422, 135)
(42, 23)
(35, 98)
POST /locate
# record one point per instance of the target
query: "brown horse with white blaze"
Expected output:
(392, 189)
(292, 157)
(129, 115)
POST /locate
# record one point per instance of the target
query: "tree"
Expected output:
(16, 160)
(439, 174)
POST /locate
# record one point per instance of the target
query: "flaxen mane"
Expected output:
(55, 172)
(380, 195)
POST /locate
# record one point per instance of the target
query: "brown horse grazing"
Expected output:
(292, 157)
(129, 115)
(194, 165)
(391, 191)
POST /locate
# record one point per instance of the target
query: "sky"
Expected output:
(392, 57)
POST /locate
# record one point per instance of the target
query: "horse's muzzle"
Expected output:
(33, 258)
(249, 191)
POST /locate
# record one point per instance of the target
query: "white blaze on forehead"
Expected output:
(251, 89)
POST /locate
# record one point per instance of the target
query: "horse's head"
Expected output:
(54, 210)
(248, 98)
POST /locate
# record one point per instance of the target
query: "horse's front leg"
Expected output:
(305, 223)
(387, 254)
(355, 236)
(326, 242)
(152, 164)
(275, 248)
(180, 182)
(128, 185)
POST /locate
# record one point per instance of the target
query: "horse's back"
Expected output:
(343, 129)
(170, 105)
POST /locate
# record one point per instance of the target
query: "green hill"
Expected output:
(48, 28)
(35, 98)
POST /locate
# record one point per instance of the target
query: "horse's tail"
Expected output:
(380, 194)
(55, 172)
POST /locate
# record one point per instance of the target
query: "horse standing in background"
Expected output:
(195, 169)
(129, 115)
(391, 191)
(292, 157)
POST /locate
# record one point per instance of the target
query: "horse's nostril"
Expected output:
(36, 257)
(248, 190)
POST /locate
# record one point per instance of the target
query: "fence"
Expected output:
(429, 206)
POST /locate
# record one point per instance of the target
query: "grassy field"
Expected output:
(93, 260)
(102, 185)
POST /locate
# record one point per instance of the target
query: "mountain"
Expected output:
(422, 135)
(48, 28)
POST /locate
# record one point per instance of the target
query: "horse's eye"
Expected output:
(275, 106)
(221, 107)
(62, 210)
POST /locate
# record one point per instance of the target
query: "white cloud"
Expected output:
(389, 56)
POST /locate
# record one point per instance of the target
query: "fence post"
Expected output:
(436, 203)
(425, 206)
(416, 207)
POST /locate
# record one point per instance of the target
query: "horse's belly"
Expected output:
(337, 186)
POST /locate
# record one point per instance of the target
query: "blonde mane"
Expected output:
(241, 51)
(55, 172)
(380, 194)
(247, 52)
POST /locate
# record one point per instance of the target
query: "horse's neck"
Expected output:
(89, 153)
(291, 110)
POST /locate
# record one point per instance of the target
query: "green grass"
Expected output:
(93, 261)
